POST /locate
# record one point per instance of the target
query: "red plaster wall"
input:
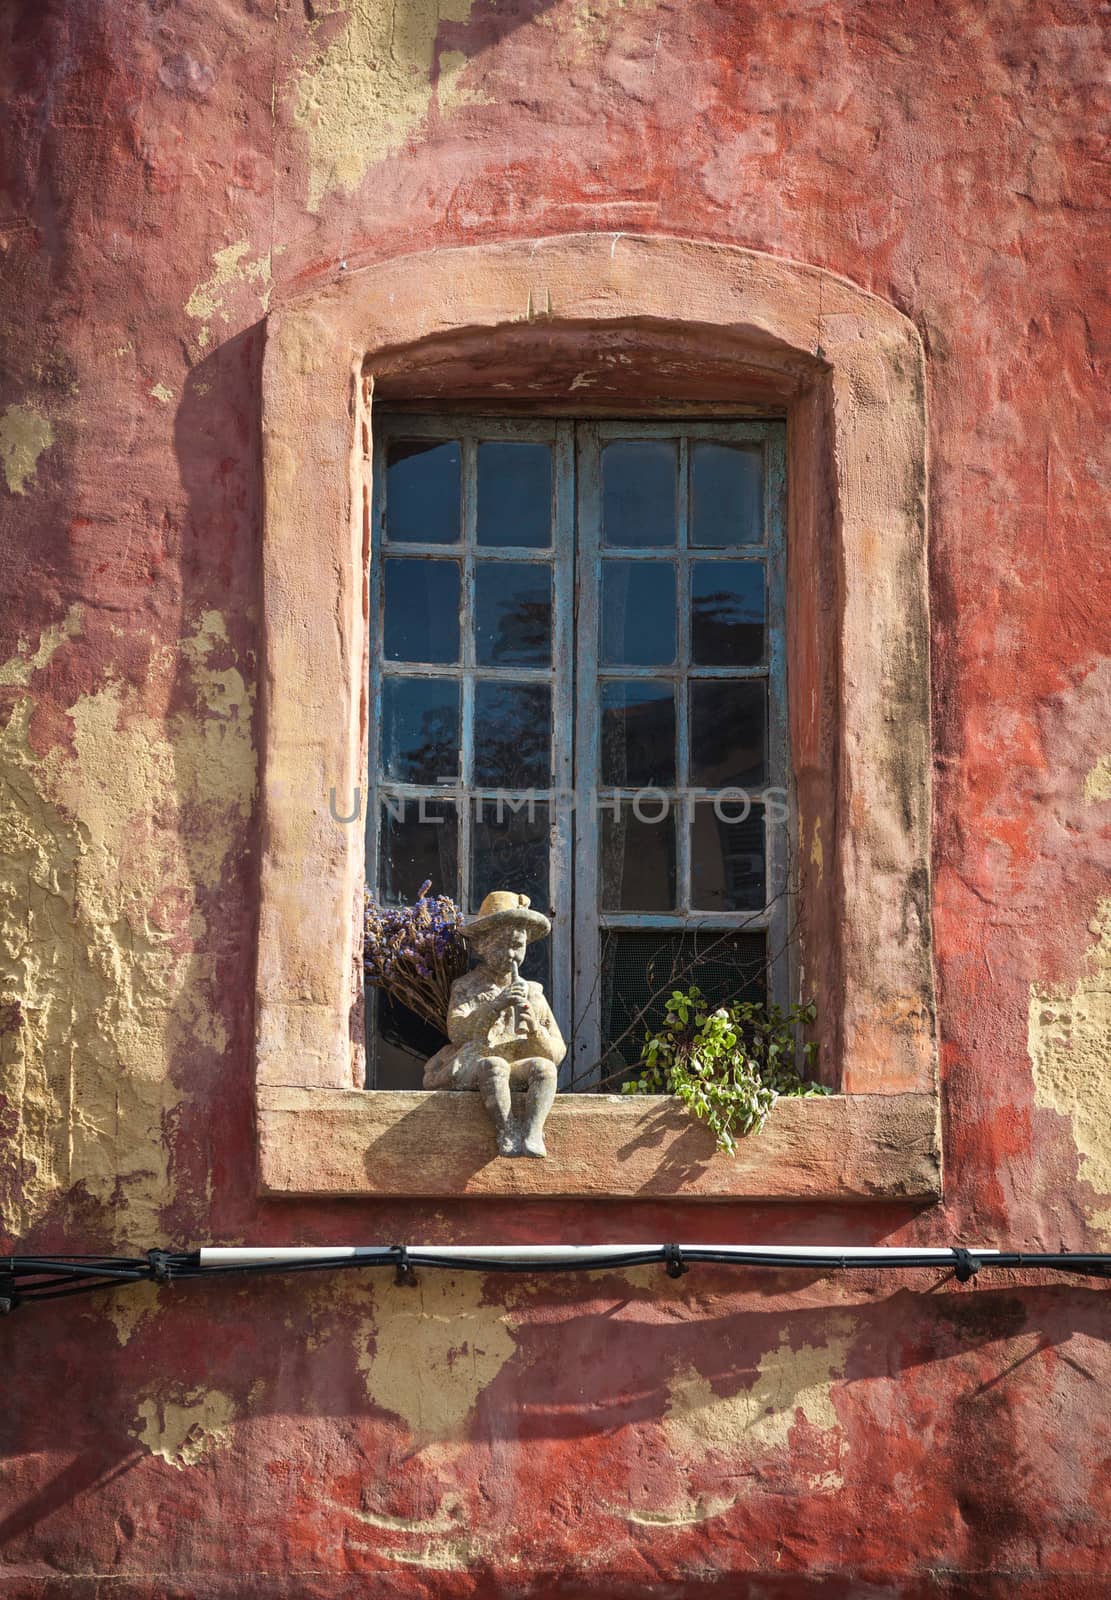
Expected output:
(624, 1435)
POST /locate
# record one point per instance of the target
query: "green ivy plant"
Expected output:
(729, 1064)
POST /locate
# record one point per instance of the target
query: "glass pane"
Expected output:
(638, 856)
(638, 733)
(639, 971)
(727, 494)
(727, 857)
(727, 613)
(420, 729)
(515, 494)
(513, 735)
(728, 730)
(509, 849)
(638, 613)
(422, 491)
(418, 840)
(639, 479)
(422, 611)
(400, 1043)
(513, 613)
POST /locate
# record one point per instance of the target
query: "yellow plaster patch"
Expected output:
(231, 270)
(817, 860)
(24, 434)
(102, 853)
(442, 1555)
(450, 93)
(789, 1383)
(1097, 785)
(429, 1352)
(129, 1308)
(366, 93)
(183, 1431)
(1069, 1043)
(19, 668)
(162, 394)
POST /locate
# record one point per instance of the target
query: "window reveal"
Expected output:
(577, 674)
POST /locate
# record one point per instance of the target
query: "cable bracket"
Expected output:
(673, 1256)
(405, 1276)
(967, 1266)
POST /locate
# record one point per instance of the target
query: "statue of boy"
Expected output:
(502, 1031)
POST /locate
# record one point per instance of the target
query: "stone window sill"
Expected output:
(346, 1142)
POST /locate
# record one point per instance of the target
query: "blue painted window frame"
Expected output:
(577, 557)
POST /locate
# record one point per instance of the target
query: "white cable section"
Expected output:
(252, 1255)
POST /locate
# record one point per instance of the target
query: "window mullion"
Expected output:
(467, 656)
(586, 994)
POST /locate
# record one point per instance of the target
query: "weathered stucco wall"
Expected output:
(170, 167)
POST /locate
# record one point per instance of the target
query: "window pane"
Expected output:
(727, 494)
(420, 729)
(727, 858)
(513, 735)
(638, 613)
(513, 613)
(638, 733)
(639, 971)
(509, 849)
(422, 611)
(422, 491)
(638, 856)
(418, 840)
(639, 480)
(728, 730)
(515, 494)
(401, 1043)
(727, 613)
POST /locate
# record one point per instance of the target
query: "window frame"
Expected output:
(691, 323)
(577, 555)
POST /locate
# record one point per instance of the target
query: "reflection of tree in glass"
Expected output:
(512, 736)
(435, 751)
(511, 853)
(524, 630)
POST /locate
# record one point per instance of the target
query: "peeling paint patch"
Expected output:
(371, 88)
(162, 394)
(231, 271)
(427, 1355)
(182, 1431)
(791, 1385)
(19, 668)
(1097, 785)
(127, 1312)
(450, 93)
(25, 432)
(1069, 1043)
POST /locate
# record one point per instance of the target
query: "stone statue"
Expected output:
(502, 1031)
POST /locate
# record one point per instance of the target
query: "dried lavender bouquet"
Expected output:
(415, 953)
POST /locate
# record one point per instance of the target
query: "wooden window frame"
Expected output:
(698, 327)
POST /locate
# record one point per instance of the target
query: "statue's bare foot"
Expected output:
(507, 1142)
(533, 1145)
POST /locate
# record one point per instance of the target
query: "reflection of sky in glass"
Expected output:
(422, 491)
(727, 613)
(422, 611)
(727, 731)
(515, 494)
(638, 733)
(639, 478)
(512, 735)
(420, 729)
(727, 494)
(638, 613)
(513, 613)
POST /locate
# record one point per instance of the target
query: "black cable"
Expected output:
(48, 1277)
